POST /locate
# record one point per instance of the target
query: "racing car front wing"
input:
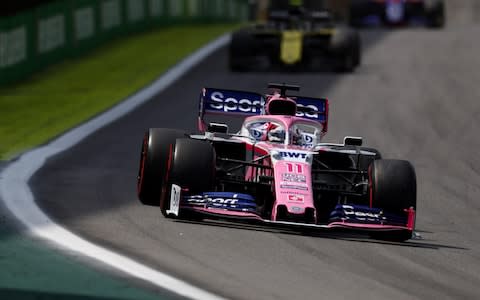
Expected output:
(236, 206)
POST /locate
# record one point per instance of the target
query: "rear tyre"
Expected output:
(394, 189)
(357, 50)
(357, 10)
(192, 167)
(153, 163)
(435, 13)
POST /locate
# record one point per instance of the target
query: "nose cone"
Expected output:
(293, 193)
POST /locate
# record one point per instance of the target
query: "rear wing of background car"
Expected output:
(244, 104)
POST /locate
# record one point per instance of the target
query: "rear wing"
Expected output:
(229, 102)
(314, 109)
(244, 104)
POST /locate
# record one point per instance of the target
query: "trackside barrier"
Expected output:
(67, 28)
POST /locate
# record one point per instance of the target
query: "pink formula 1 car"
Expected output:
(275, 170)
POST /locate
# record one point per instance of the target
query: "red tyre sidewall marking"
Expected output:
(166, 179)
(142, 164)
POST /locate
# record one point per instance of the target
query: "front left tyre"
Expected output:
(153, 163)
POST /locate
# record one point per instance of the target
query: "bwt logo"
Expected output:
(287, 154)
(234, 105)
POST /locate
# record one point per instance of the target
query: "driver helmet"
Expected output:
(297, 138)
(275, 134)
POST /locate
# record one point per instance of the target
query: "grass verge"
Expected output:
(58, 98)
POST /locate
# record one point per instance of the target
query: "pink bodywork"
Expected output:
(296, 195)
(292, 175)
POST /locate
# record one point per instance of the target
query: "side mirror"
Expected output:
(352, 141)
(218, 128)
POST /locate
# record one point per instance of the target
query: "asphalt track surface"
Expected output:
(416, 97)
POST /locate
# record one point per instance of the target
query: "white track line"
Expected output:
(18, 198)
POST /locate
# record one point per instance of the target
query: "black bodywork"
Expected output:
(324, 44)
(338, 177)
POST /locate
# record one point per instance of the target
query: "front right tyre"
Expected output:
(435, 13)
(241, 50)
(192, 166)
(345, 48)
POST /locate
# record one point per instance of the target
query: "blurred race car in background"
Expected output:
(295, 37)
(397, 12)
(275, 170)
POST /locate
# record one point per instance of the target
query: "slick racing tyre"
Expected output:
(240, 50)
(153, 163)
(367, 160)
(435, 13)
(345, 47)
(394, 189)
(192, 167)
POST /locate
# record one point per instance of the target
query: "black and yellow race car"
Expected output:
(295, 37)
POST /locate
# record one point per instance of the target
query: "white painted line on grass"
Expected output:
(18, 198)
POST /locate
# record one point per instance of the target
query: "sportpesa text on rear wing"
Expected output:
(242, 103)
